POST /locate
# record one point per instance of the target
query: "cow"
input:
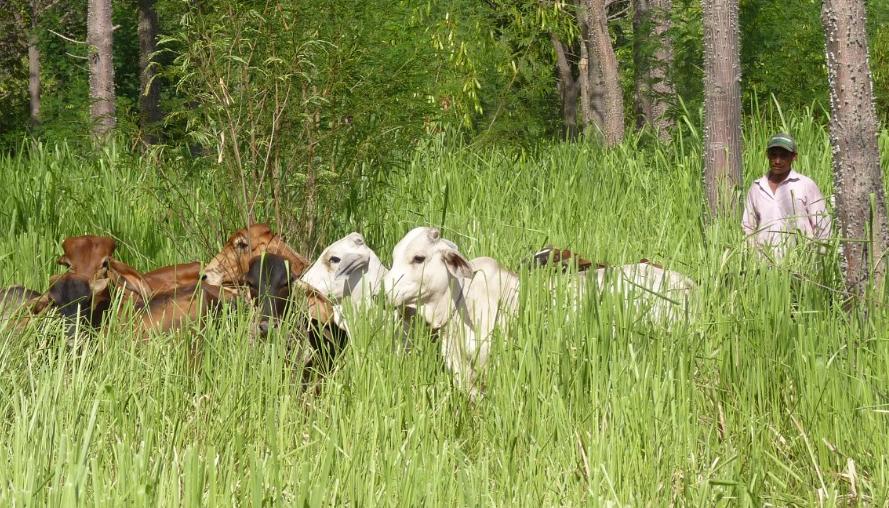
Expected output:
(175, 308)
(347, 269)
(232, 263)
(658, 294)
(163, 298)
(276, 292)
(91, 257)
(462, 300)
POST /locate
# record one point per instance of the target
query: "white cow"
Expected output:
(462, 300)
(659, 295)
(347, 269)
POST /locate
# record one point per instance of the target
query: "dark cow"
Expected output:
(276, 292)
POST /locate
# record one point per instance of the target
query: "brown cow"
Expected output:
(163, 298)
(171, 310)
(233, 261)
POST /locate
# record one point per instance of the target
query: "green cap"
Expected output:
(782, 140)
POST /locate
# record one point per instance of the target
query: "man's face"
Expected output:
(780, 160)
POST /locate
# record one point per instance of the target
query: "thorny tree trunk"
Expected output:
(853, 137)
(34, 68)
(590, 81)
(149, 91)
(99, 36)
(653, 56)
(569, 87)
(722, 106)
(603, 68)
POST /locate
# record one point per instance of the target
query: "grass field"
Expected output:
(770, 394)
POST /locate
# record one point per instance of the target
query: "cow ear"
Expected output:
(98, 285)
(350, 263)
(457, 265)
(129, 278)
(213, 291)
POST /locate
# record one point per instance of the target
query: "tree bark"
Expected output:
(853, 137)
(99, 37)
(603, 68)
(569, 88)
(34, 68)
(653, 56)
(722, 106)
(149, 89)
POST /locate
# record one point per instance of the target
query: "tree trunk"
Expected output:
(853, 137)
(34, 68)
(653, 56)
(569, 87)
(722, 106)
(603, 65)
(149, 91)
(99, 37)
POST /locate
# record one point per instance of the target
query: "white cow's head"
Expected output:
(423, 264)
(348, 267)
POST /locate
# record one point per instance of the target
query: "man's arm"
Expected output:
(750, 219)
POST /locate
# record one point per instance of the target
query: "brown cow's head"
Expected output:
(233, 261)
(87, 255)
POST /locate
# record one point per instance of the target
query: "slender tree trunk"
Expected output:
(603, 64)
(569, 87)
(653, 56)
(149, 94)
(860, 199)
(34, 68)
(722, 106)
(99, 37)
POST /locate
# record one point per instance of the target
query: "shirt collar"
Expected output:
(793, 176)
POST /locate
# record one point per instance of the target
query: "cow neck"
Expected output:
(454, 304)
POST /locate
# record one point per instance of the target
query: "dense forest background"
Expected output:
(386, 73)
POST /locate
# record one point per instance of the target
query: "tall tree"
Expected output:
(652, 57)
(29, 26)
(853, 136)
(99, 38)
(722, 105)
(149, 90)
(569, 87)
(601, 63)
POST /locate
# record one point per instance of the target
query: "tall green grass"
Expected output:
(766, 395)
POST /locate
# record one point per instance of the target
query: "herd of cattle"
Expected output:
(463, 301)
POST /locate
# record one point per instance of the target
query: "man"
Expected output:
(783, 202)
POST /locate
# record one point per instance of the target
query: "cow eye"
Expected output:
(241, 243)
(419, 259)
(334, 259)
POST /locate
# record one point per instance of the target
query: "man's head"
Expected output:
(781, 152)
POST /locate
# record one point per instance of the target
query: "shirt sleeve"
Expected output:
(750, 220)
(819, 218)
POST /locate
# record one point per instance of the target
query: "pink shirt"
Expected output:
(796, 205)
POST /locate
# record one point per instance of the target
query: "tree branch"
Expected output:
(65, 37)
